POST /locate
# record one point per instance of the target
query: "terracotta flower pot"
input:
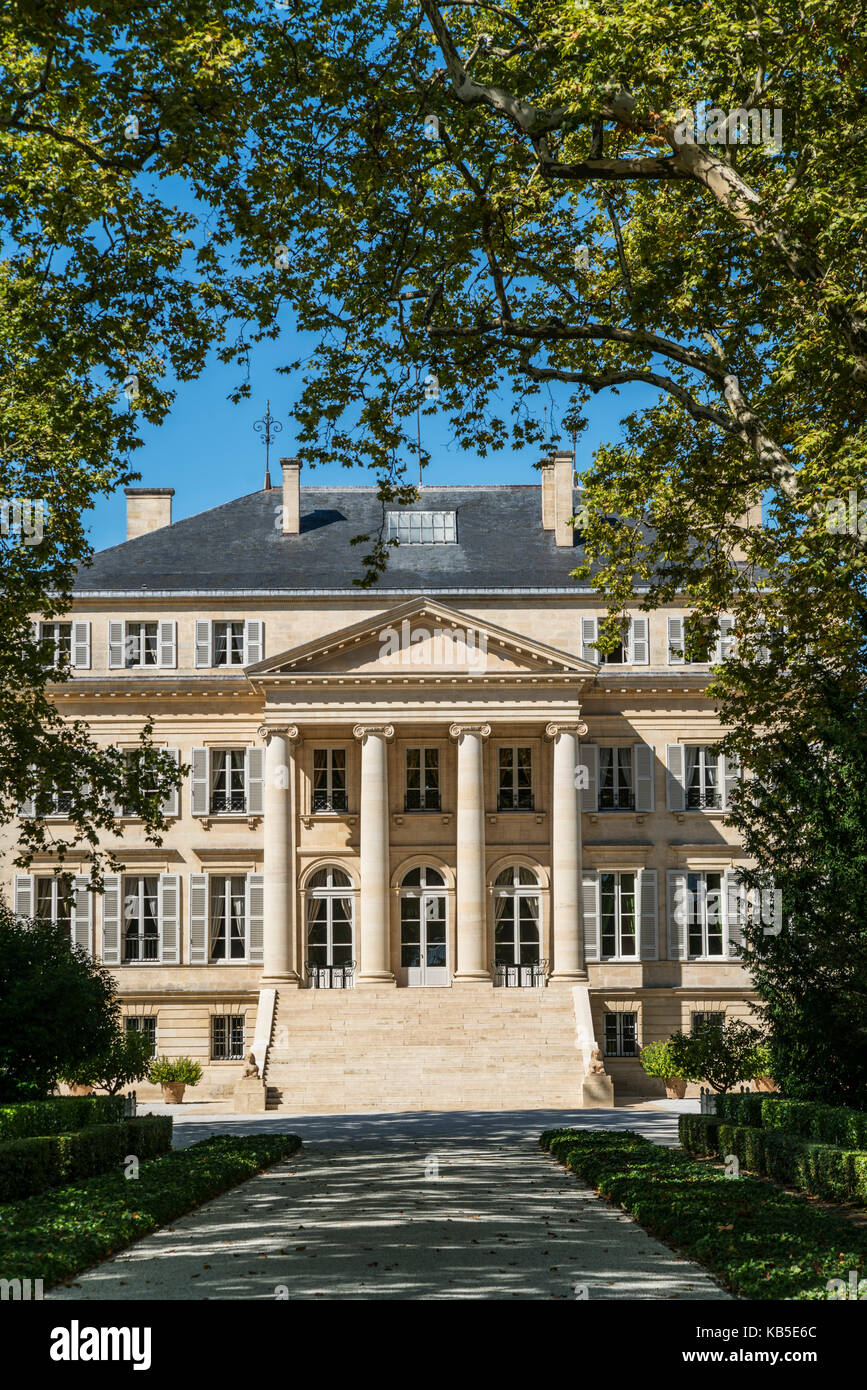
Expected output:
(675, 1087)
(77, 1090)
(173, 1092)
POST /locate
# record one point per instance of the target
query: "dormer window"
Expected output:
(422, 528)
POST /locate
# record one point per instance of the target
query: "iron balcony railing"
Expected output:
(531, 976)
(330, 976)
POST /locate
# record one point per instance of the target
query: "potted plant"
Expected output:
(762, 1069)
(174, 1074)
(657, 1059)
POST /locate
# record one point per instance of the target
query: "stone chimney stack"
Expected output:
(147, 509)
(557, 496)
(291, 496)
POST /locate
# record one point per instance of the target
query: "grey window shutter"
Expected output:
(170, 805)
(639, 641)
(254, 769)
(170, 917)
(588, 757)
(27, 807)
(200, 777)
(115, 644)
(256, 916)
(590, 913)
(24, 894)
(588, 640)
(82, 914)
(111, 913)
(642, 773)
(675, 642)
(676, 914)
(735, 911)
(731, 772)
(203, 643)
(167, 643)
(648, 928)
(35, 628)
(254, 643)
(81, 646)
(674, 775)
(198, 919)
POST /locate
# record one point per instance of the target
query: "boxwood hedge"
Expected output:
(59, 1233)
(32, 1165)
(762, 1243)
(824, 1124)
(823, 1170)
(59, 1115)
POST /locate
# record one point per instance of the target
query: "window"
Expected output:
(704, 914)
(228, 644)
(515, 785)
(60, 803)
(422, 528)
(703, 779)
(621, 1035)
(618, 933)
(422, 779)
(146, 1025)
(329, 928)
(55, 902)
(516, 918)
(140, 644)
(329, 779)
(423, 927)
(228, 900)
(227, 1037)
(147, 789)
(633, 648)
(707, 1022)
(57, 640)
(615, 780)
(228, 781)
(141, 929)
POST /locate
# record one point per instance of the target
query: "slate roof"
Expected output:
(238, 547)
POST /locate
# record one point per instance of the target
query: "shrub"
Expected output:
(125, 1060)
(743, 1108)
(29, 1166)
(658, 1059)
(761, 1242)
(55, 1235)
(60, 1115)
(720, 1056)
(164, 1070)
(699, 1134)
(827, 1124)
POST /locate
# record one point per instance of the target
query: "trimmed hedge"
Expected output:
(59, 1115)
(760, 1242)
(742, 1109)
(839, 1175)
(824, 1124)
(32, 1165)
(59, 1233)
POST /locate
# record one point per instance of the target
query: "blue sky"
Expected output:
(208, 451)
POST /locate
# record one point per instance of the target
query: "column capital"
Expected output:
(457, 731)
(577, 727)
(361, 731)
(290, 731)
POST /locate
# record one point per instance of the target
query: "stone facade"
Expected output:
(405, 866)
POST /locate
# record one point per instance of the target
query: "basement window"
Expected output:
(422, 528)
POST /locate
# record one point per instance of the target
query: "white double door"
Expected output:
(423, 939)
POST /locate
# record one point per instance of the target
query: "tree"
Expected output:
(57, 1007)
(126, 1060)
(720, 1056)
(803, 819)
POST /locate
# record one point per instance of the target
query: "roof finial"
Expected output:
(267, 427)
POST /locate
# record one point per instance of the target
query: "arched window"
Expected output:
(423, 933)
(516, 923)
(329, 928)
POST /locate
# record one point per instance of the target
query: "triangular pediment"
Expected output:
(422, 637)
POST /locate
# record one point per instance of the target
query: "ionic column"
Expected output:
(279, 853)
(472, 916)
(373, 952)
(567, 937)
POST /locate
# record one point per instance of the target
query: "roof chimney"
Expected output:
(147, 509)
(548, 495)
(291, 496)
(557, 500)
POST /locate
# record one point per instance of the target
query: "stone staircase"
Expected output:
(465, 1048)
